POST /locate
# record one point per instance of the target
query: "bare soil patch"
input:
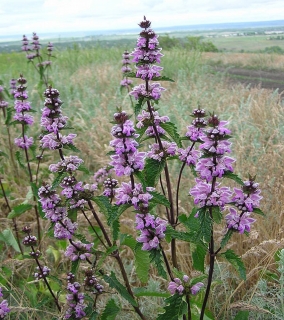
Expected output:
(264, 79)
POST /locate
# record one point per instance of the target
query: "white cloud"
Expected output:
(43, 16)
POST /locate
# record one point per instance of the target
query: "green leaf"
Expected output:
(3, 154)
(130, 74)
(138, 106)
(226, 238)
(144, 293)
(83, 169)
(34, 189)
(8, 237)
(111, 310)
(142, 263)
(71, 146)
(162, 78)
(258, 211)
(242, 315)
(159, 198)
(19, 210)
(19, 158)
(74, 266)
(198, 257)
(114, 283)
(60, 176)
(153, 169)
(217, 214)
(9, 113)
(171, 130)
(141, 177)
(171, 233)
(156, 258)
(236, 178)
(205, 227)
(236, 262)
(175, 308)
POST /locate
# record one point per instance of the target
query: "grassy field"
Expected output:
(88, 80)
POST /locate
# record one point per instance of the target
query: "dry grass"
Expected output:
(260, 61)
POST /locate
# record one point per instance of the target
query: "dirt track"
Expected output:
(265, 79)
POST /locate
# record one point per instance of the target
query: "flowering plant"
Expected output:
(145, 186)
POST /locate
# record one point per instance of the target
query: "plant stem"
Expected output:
(47, 284)
(14, 219)
(188, 306)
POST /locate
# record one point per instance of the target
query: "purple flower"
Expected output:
(126, 82)
(69, 164)
(154, 91)
(102, 174)
(147, 72)
(190, 157)
(4, 309)
(238, 222)
(24, 118)
(25, 142)
(21, 106)
(196, 288)
(65, 229)
(152, 230)
(204, 196)
(52, 141)
(41, 272)
(126, 166)
(78, 250)
(169, 149)
(75, 302)
(176, 287)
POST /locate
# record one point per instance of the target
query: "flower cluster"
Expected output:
(145, 55)
(53, 121)
(245, 200)
(110, 187)
(90, 281)
(125, 82)
(75, 300)
(3, 104)
(4, 307)
(78, 250)
(41, 272)
(22, 116)
(127, 158)
(182, 286)
(102, 174)
(152, 230)
(148, 119)
(134, 196)
(158, 153)
(33, 50)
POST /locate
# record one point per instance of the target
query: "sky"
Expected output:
(18, 17)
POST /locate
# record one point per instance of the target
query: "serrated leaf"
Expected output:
(19, 210)
(138, 106)
(83, 169)
(141, 177)
(75, 265)
(19, 158)
(9, 112)
(205, 226)
(71, 146)
(8, 237)
(153, 169)
(175, 308)
(130, 74)
(114, 283)
(111, 310)
(162, 78)
(236, 262)
(236, 178)
(198, 257)
(171, 233)
(258, 211)
(156, 258)
(217, 214)
(142, 263)
(159, 198)
(171, 130)
(226, 238)
(60, 176)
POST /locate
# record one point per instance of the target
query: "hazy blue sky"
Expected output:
(44, 16)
